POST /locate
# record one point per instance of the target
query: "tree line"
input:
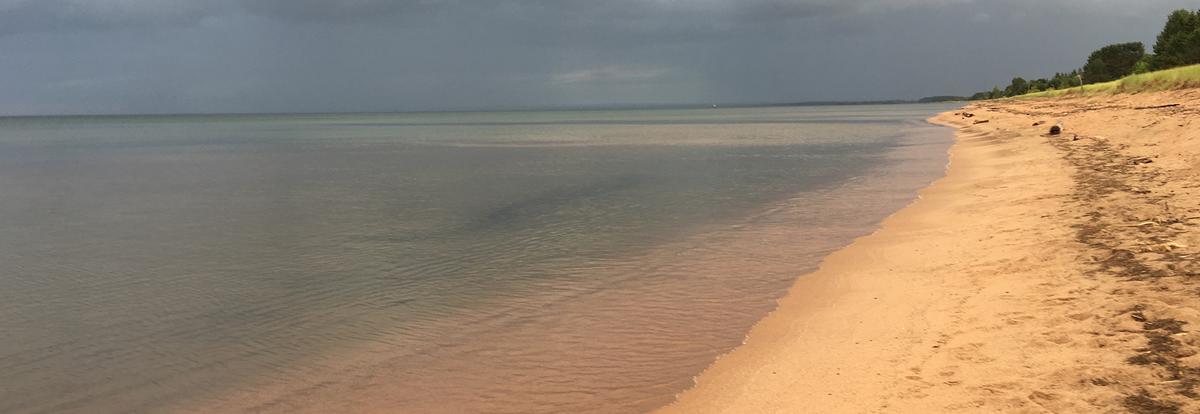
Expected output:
(1177, 45)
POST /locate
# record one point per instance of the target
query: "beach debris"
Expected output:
(1075, 138)
(1157, 106)
(1056, 129)
(981, 121)
(1038, 123)
(967, 115)
(1140, 160)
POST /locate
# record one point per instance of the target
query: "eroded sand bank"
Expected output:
(1042, 274)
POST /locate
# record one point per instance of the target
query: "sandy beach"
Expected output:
(1041, 274)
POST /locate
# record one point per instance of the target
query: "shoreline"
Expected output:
(1006, 286)
(765, 240)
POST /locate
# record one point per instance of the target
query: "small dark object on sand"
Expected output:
(1141, 160)
(1075, 138)
(1056, 129)
(1038, 123)
(967, 114)
(981, 121)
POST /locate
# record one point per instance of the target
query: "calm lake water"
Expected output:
(523, 262)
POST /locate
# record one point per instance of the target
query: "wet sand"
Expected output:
(1042, 274)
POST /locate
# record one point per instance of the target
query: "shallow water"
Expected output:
(525, 262)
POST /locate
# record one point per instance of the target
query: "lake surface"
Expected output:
(518, 262)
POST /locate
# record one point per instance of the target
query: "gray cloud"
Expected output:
(59, 15)
(17, 16)
(613, 73)
(347, 55)
(338, 10)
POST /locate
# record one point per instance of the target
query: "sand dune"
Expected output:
(1042, 274)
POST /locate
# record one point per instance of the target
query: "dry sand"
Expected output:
(1042, 274)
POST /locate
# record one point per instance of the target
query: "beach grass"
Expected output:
(1169, 79)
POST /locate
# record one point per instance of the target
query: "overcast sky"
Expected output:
(153, 56)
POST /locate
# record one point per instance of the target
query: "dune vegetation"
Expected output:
(1169, 79)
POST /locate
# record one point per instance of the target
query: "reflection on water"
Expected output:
(588, 262)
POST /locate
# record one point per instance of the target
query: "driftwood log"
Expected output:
(1157, 106)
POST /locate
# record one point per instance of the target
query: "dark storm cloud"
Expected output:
(54, 15)
(17, 16)
(346, 55)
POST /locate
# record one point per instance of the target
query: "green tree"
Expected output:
(1113, 62)
(1179, 42)
(997, 93)
(1143, 65)
(1065, 80)
(1018, 87)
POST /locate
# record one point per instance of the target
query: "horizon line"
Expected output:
(585, 107)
